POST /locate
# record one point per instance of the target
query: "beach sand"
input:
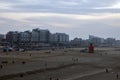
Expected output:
(64, 64)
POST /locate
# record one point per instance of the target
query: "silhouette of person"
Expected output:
(91, 48)
(106, 70)
(117, 76)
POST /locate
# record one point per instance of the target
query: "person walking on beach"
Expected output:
(57, 79)
(106, 70)
(50, 78)
(1, 66)
(117, 76)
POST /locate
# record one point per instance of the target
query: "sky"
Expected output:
(78, 18)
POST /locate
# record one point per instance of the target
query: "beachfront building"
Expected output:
(44, 36)
(13, 37)
(25, 39)
(110, 42)
(25, 36)
(37, 38)
(76, 42)
(40, 38)
(2, 37)
(97, 41)
(59, 39)
(35, 35)
(3, 41)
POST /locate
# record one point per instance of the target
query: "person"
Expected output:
(91, 48)
(117, 76)
(50, 78)
(106, 70)
(1, 66)
(21, 75)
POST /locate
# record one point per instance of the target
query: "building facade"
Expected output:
(2, 36)
(37, 38)
(25, 36)
(97, 41)
(44, 36)
(35, 35)
(40, 36)
(59, 38)
(12, 37)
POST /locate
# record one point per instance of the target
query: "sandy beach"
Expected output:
(64, 64)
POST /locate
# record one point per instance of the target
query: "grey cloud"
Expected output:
(79, 28)
(60, 6)
(6, 20)
(82, 28)
(12, 25)
(10, 1)
(62, 10)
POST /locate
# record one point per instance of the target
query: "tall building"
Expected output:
(3, 41)
(96, 40)
(76, 42)
(37, 38)
(40, 36)
(12, 37)
(25, 36)
(35, 35)
(2, 37)
(44, 36)
(59, 38)
(110, 41)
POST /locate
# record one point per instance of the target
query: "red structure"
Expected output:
(91, 48)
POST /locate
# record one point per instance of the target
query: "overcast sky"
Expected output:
(78, 18)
